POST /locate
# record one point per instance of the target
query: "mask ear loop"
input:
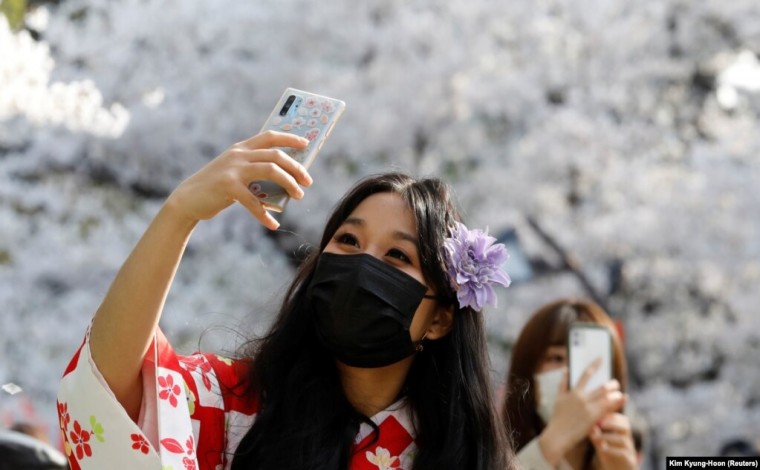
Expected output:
(419, 347)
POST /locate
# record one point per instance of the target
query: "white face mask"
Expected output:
(547, 384)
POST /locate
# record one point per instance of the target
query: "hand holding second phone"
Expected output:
(576, 412)
(613, 442)
(225, 179)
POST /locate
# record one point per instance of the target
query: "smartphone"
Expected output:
(586, 342)
(307, 115)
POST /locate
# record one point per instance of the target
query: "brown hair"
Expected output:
(548, 326)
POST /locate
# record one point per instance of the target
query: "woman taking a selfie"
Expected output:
(377, 358)
(552, 426)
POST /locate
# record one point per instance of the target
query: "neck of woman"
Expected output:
(371, 390)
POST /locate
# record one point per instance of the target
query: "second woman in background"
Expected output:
(556, 427)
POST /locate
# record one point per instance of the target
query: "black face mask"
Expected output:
(363, 308)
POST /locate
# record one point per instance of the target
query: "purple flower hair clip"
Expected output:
(474, 264)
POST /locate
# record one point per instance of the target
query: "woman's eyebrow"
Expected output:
(400, 235)
(397, 234)
(359, 222)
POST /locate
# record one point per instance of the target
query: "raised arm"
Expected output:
(124, 324)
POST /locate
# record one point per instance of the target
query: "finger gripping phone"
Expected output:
(586, 342)
(304, 114)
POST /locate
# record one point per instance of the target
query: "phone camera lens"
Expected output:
(287, 105)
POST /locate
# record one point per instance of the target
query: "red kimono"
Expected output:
(192, 417)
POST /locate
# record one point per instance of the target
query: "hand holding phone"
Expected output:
(307, 115)
(588, 342)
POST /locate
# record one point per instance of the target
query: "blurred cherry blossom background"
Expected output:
(614, 146)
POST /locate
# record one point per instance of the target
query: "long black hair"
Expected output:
(305, 421)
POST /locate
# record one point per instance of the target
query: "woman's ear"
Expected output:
(442, 322)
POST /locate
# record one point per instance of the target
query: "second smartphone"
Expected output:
(587, 342)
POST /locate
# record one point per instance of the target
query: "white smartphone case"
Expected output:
(586, 342)
(307, 115)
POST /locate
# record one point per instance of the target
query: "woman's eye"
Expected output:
(399, 255)
(347, 239)
(554, 359)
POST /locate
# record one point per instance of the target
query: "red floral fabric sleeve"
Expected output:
(193, 414)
